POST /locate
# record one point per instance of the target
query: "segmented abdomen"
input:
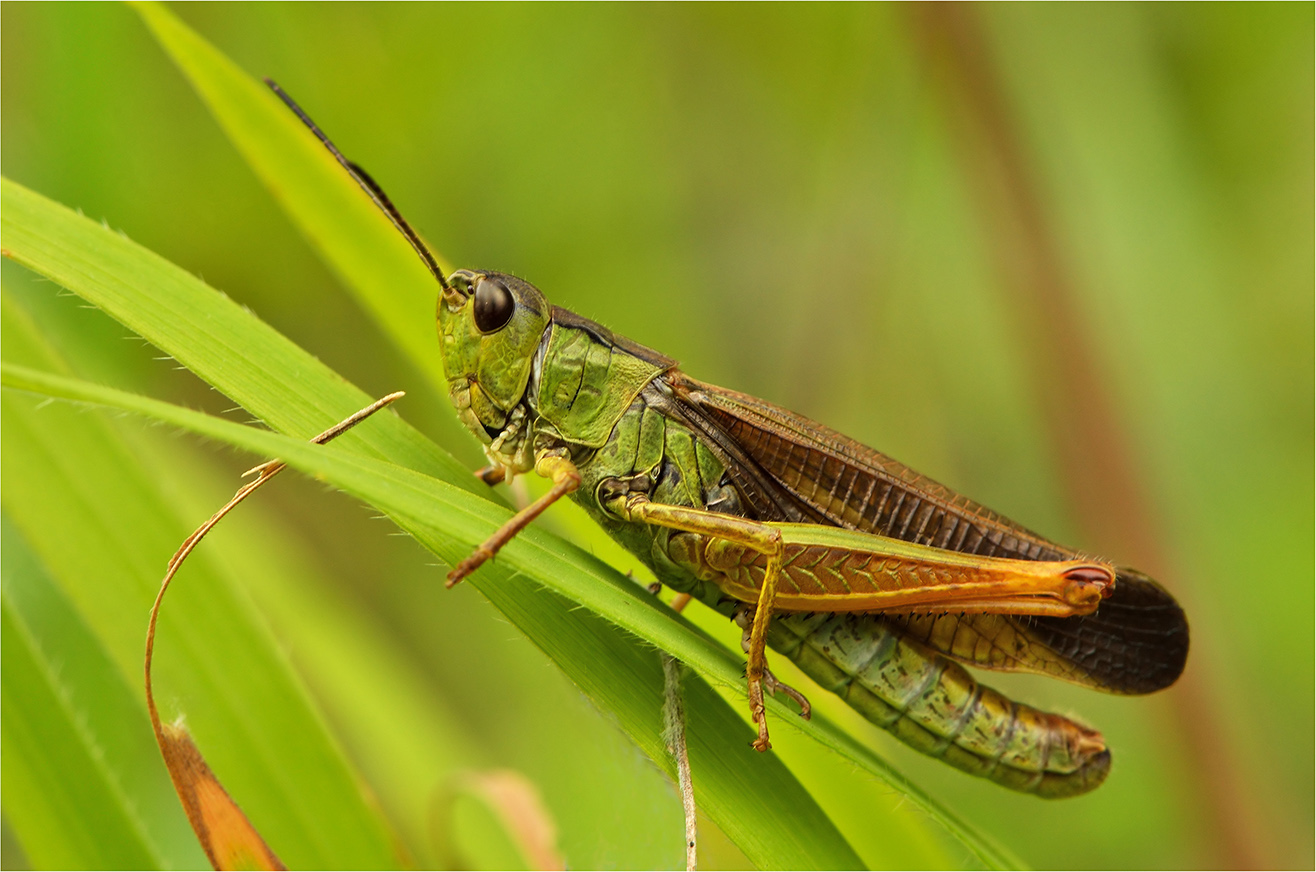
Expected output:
(935, 706)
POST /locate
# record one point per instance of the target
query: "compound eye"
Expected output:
(494, 305)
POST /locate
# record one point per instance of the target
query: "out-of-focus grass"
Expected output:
(776, 197)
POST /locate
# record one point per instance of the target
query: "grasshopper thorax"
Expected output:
(490, 325)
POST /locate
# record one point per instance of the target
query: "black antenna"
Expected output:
(368, 185)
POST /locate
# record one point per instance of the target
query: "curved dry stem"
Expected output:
(243, 845)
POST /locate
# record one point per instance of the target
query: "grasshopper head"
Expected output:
(490, 325)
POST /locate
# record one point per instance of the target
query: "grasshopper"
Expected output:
(875, 580)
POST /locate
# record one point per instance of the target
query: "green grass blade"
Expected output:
(61, 801)
(341, 222)
(108, 722)
(224, 344)
(103, 531)
(61, 798)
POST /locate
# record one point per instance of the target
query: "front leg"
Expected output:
(553, 464)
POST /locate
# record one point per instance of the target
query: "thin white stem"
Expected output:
(674, 734)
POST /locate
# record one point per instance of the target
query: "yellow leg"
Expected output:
(744, 618)
(758, 646)
(565, 479)
(761, 538)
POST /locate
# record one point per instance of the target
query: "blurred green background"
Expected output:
(906, 223)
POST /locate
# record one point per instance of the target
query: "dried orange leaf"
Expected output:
(229, 839)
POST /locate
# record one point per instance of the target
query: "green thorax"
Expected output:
(586, 378)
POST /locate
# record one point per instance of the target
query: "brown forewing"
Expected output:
(789, 468)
